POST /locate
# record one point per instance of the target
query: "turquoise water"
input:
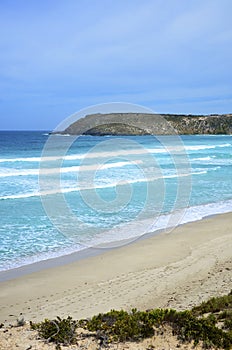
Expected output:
(107, 183)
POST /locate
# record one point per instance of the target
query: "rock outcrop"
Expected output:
(155, 124)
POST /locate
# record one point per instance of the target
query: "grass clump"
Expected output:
(214, 305)
(189, 328)
(221, 309)
(58, 331)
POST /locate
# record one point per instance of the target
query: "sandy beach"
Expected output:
(175, 270)
(178, 270)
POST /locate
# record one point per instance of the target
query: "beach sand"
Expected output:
(177, 270)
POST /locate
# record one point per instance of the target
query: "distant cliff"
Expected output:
(145, 124)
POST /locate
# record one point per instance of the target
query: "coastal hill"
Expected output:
(145, 124)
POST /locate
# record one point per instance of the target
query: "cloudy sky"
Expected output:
(57, 57)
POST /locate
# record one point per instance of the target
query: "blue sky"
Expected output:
(57, 57)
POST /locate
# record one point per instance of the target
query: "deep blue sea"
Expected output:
(61, 194)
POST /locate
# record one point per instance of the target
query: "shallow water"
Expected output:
(107, 185)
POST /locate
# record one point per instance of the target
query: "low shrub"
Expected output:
(121, 325)
(58, 331)
(198, 324)
(214, 305)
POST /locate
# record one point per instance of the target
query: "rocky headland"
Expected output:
(153, 124)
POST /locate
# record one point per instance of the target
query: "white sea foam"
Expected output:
(107, 239)
(28, 159)
(203, 147)
(7, 172)
(202, 158)
(15, 263)
(200, 212)
(132, 230)
(213, 160)
(112, 183)
(113, 153)
(225, 145)
(91, 155)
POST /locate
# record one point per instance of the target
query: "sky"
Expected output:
(57, 57)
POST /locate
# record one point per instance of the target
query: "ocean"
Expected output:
(61, 194)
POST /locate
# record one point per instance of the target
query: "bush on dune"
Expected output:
(59, 331)
(199, 324)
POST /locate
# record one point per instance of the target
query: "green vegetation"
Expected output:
(59, 331)
(121, 325)
(210, 323)
(191, 328)
(214, 305)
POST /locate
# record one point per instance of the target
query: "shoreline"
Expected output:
(87, 252)
(177, 270)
